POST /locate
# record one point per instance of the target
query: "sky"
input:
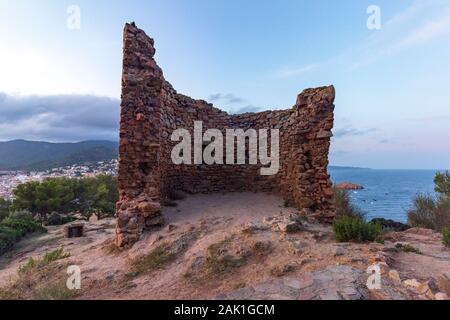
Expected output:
(60, 83)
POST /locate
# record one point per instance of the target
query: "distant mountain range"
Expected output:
(38, 155)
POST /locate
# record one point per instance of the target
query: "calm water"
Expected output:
(388, 193)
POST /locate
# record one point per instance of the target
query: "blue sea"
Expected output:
(388, 193)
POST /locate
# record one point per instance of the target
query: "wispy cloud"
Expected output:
(428, 31)
(349, 131)
(294, 72)
(420, 23)
(423, 21)
(227, 98)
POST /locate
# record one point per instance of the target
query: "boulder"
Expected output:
(412, 283)
(290, 226)
(391, 225)
(394, 275)
(339, 251)
(444, 283)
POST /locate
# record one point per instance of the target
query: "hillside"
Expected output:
(38, 155)
(228, 247)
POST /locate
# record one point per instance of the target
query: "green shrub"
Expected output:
(55, 255)
(430, 212)
(23, 226)
(442, 183)
(8, 237)
(21, 214)
(57, 219)
(433, 212)
(34, 264)
(348, 228)
(5, 206)
(344, 206)
(446, 237)
(13, 229)
(41, 279)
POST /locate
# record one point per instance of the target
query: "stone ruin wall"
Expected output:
(152, 110)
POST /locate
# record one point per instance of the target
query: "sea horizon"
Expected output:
(387, 193)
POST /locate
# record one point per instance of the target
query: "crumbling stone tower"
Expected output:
(152, 110)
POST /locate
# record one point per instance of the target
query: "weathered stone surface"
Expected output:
(444, 283)
(339, 251)
(332, 283)
(254, 226)
(441, 296)
(394, 275)
(412, 283)
(290, 226)
(151, 110)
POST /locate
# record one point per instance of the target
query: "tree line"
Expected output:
(64, 195)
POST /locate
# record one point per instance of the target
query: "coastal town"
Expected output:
(9, 180)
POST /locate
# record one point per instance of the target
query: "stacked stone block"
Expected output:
(152, 110)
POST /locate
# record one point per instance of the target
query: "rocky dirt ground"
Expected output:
(233, 246)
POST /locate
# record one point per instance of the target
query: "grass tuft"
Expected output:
(158, 258)
(219, 263)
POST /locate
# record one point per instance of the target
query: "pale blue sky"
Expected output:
(393, 97)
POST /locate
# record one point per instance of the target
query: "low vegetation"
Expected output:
(63, 195)
(407, 248)
(161, 256)
(40, 279)
(446, 237)
(49, 202)
(218, 262)
(433, 212)
(158, 258)
(56, 219)
(48, 258)
(349, 228)
(263, 248)
(344, 206)
(350, 224)
(5, 206)
(14, 229)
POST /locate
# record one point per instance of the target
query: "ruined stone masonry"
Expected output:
(152, 110)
